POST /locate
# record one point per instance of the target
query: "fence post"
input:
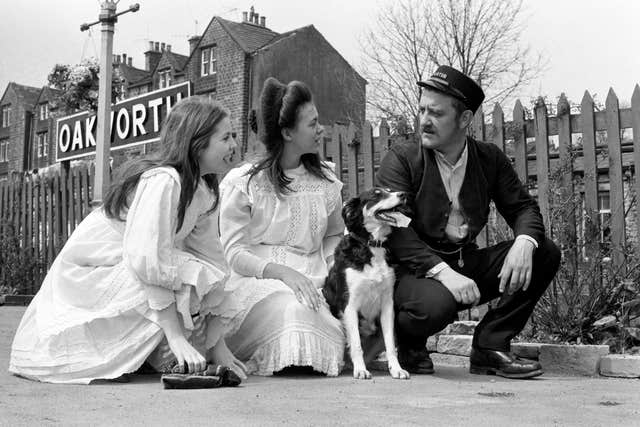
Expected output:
(385, 142)
(568, 225)
(336, 143)
(498, 127)
(616, 190)
(542, 159)
(520, 143)
(592, 227)
(352, 159)
(367, 154)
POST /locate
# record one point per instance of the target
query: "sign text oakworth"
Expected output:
(134, 121)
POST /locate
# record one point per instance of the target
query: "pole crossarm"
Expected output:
(109, 18)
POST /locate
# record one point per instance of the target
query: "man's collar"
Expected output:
(461, 160)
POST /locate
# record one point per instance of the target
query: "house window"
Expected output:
(41, 144)
(165, 78)
(209, 62)
(43, 111)
(6, 116)
(4, 150)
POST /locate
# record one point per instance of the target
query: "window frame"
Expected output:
(205, 57)
(6, 116)
(4, 150)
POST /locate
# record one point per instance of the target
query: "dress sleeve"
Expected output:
(235, 219)
(204, 240)
(149, 237)
(335, 223)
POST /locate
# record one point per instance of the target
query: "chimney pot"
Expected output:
(119, 59)
(244, 16)
(168, 48)
(263, 21)
(157, 46)
(124, 58)
(256, 19)
(150, 45)
(162, 47)
(130, 62)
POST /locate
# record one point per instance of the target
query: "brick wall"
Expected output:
(230, 81)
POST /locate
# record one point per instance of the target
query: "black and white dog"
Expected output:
(359, 287)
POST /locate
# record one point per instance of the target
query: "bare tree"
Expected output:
(410, 38)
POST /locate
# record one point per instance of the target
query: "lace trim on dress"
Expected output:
(293, 347)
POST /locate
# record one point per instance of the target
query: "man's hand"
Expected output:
(464, 290)
(516, 269)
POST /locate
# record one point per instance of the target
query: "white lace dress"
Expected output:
(95, 314)
(268, 328)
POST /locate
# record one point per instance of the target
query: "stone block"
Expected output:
(528, 350)
(462, 327)
(572, 359)
(432, 343)
(450, 360)
(620, 365)
(455, 344)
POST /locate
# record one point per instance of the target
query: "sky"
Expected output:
(588, 44)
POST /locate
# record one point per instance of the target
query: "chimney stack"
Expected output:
(152, 56)
(263, 21)
(193, 43)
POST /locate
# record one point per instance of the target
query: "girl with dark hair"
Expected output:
(280, 221)
(140, 278)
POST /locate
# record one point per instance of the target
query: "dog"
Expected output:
(359, 286)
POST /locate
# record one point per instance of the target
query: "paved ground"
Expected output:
(450, 397)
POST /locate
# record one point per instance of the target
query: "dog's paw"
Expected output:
(399, 373)
(361, 374)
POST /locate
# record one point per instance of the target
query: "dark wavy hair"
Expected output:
(185, 133)
(280, 105)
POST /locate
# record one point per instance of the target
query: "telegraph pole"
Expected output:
(108, 17)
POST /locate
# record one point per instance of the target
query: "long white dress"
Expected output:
(95, 314)
(267, 327)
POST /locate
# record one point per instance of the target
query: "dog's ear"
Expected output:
(352, 213)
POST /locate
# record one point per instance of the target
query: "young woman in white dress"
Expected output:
(280, 221)
(141, 277)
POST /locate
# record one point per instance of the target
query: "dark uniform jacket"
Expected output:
(411, 168)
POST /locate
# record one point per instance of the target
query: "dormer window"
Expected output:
(209, 62)
(43, 111)
(165, 78)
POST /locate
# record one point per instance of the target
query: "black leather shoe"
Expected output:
(415, 361)
(502, 363)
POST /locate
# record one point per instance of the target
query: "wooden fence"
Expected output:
(356, 154)
(43, 210)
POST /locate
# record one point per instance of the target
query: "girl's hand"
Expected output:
(303, 288)
(186, 354)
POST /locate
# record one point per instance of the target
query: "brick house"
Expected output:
(230, 61)
(42, 147)
(16, 108)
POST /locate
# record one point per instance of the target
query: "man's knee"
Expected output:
(428, 311)
(548, 256)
